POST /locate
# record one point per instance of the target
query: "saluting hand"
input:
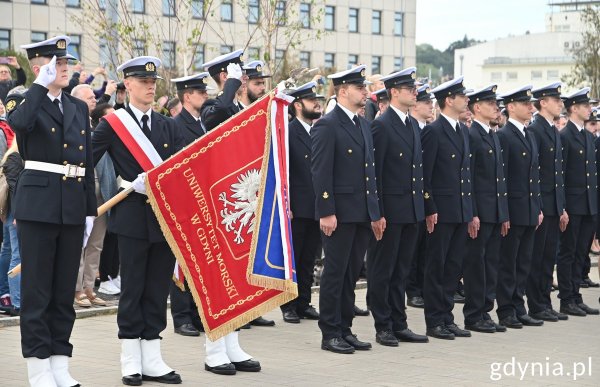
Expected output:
(47, 73)
(234, 71)
(328, 224)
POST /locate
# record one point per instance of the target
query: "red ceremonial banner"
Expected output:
(205, 198)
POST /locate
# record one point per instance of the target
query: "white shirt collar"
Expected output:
(484, 126)
(58, 97)
(403, 116)
(348, 112)
(305, 125)
(138, 115)
(519, 125)
(579, 128)
(452, 121)
(551, 123)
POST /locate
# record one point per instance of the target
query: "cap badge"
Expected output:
(150, 66)
(428, 90)
(61, 44)
(314, 89)
(494, 89)
(587, 94)
(362, 72)
(413, 75)
(11, 105)
(205, 80)
(558, 89)
(259, 68)
(242, 58)
(529, 93)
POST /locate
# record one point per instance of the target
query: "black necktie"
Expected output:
(356, 122)
(145, 127)
(56, 102)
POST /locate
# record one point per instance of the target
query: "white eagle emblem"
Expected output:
(238, 211)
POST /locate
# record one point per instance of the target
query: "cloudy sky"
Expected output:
(440, 22)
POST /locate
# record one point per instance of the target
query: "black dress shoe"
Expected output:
(591, 283)
(357, 344)
(587, 309)
(572, 310)
(187, 330)
(416, 302)
(309, 313)
(386, 338)
(360, 312)
(170, 378)
(481, 326)
(262, 322)
(132, 380)
(223, 369)
(498, 327)
(337, 345)
(246, 326)
(560, 316)
(584, 285)
(530, 321)
(409, 336)
(511, 322)
(249, 365)
(458, 298)
(289, 316)
(440, 332)
(457, 331)
(544, 315)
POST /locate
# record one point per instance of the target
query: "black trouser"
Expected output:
(183, 308)
(307, 240)
(539, 283)
(388, 270)
(414, 287)
(109, 257)
(443, 269)
(587, 262)
(516, 250)
(344, 255)
(50, 255)
(574, 247)
(146, 272)
(480, 272)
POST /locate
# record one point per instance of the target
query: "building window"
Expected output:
(496, 76)
(138, 6)
(42, 2)
(376, 65)
(104, 52)
(536, 75)
(73, 3)
(353, 20)
(329, 60)
(227, 10)
(279, 55)
(199, 58)
(5, 39)
(398, 23)
(352, 60)
(305, 58)
(168, 54)
(552, 75)
(37, 36)
(74, 48)
(376, 23)
(139, 47)
(168, 7)
(280, 13)
(253, 53)
(511, 76)
(226, 49)
(329, 18)
(305, 15)
(253, 11)
(197, 9)
(398, 63)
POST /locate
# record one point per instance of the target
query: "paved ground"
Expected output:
(291, 355)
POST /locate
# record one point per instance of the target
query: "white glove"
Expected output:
(139, 184)
(47, 73)
(89, 224)
(234, 71)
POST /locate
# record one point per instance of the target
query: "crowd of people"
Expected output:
(441, 196)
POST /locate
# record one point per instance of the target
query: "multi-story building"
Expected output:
(184, 33)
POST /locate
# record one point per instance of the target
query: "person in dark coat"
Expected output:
(6, 81)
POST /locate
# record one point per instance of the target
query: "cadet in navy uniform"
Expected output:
(581, 199)
(520, 155)
(54, 201)
(447, 185)
(191, 91)
(305, 229)
(343, 171)
(420, 115)
(255, 87)
(399, 176)
(545, 245)
(146, 259)
(490, 214)
(225, 356)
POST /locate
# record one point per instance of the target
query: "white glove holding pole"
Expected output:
(47, 73)
(234, 71)
(89, 224)
(139, 184)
